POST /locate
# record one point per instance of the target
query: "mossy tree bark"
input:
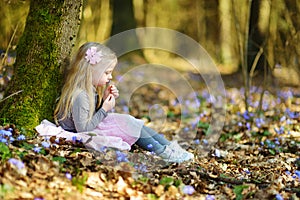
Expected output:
(42, 52)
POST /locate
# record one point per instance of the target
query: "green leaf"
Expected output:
(178, 183)
(266, 133)
(238, 190)
(27, 146)
(166, 181)
(151, 196)
(223, 137)
(79, 182)
(4, 189)
(143, 179)
(43, 152)
(21, 154)
(272, 151)
(203, 125)
(4, 151)
(77, 150)
(170, 114)
(59, 159)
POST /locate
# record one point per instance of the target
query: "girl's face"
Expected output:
(105, 78)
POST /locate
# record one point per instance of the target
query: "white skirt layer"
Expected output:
(119, 131)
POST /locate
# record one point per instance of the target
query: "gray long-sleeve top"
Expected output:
(77, 121)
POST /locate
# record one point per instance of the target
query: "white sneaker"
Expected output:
(175, 153)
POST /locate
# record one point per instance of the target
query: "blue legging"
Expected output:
(152, 141)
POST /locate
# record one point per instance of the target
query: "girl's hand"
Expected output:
(114, 91)
(111, 89)
(109, 103)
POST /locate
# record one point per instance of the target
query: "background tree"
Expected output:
(44, 48)
(123, 20)
(96, 23)
(283, 50)
(12, 16)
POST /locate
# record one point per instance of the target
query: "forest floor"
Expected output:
(255, 157)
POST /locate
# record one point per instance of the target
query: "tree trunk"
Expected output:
(123, 20)
(228, 44)
(42, 52)
(96, 21)
(256, 38)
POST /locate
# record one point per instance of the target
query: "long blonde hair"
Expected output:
(79, 78)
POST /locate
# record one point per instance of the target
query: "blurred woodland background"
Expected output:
(248, 35)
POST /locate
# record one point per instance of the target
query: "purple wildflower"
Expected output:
(279, 130)
(210, 197)
(126, 109)
(288, 121)
(3, 140)
(11, 139)
(265, 106)
(283, 118)
(141, 167)
(259, 122)
(197, 141)
(186, 129)
(121, 157)
(248, 125)
(68, 176)
(246, 115)
(21, 137)
(271, 145)
(297, 172)
(291, 114)
(279, 197)
(74, 138)
(19, 164)
(37, 149)
(45, 144)
(205, 141)
(202, 115)
(57, 140)
(103, 149)
(188, 189)
(255, 104)
(5, 133)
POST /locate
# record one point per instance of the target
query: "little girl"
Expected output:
(82, 108)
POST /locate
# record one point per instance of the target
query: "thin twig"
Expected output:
(254, 64)
(265, 85)
(9, 46)
(11, 95)
(243, 48)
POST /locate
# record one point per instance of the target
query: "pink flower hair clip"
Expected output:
(92, 56)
